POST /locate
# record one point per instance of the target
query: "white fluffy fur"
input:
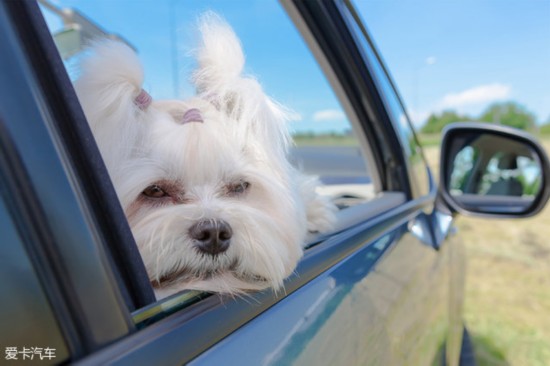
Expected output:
(243, 138)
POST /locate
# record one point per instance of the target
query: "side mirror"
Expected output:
(78, 31)
(69, 41)
(493, 171)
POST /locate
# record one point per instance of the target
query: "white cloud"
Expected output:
(481, 94)
(329, 115)
(430, 60)
(294, 116)
(469, 102)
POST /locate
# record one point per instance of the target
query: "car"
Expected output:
(386, 287)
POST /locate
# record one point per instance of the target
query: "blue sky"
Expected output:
(459, 54)
(479, 51)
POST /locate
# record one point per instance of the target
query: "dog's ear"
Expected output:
(220, 56)
(219, 79)
(110, 79)
(109, 90)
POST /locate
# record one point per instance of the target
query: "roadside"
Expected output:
(507, 299)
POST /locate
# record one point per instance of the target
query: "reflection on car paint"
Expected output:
(319, 302)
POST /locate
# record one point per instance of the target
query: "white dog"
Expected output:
(205, 183)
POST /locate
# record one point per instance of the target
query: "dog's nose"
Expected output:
(211, 236)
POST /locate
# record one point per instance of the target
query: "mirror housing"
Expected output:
(492, 170)
(69, 41)
(78, 32)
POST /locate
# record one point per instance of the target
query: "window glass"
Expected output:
(164, 35)
(419, 178)
(25, 311)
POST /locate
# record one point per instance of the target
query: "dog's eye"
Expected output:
(154, 191)
(238, 188)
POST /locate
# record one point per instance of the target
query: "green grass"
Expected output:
(507, 304)
(434, 139)
(325, 140)
(428, 140)
(486, 353)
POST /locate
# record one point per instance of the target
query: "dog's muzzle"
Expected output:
(211, 236)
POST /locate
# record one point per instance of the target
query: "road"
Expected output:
(333, 165)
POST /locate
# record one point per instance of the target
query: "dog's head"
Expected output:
(204, 183)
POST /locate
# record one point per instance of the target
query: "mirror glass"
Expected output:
(490, 172)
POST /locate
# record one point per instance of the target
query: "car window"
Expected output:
(325, 143)
(420, 176)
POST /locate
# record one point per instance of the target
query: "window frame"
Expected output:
(17, 268)
(79, 153)
(383, 80)
(39, 138)
(354, 81)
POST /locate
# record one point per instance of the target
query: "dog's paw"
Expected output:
(320, 211)
(321, 215)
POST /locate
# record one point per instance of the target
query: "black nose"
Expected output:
(211, 236)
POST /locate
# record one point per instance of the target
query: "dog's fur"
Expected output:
(229, 163)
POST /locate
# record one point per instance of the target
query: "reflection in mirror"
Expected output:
(494, 170)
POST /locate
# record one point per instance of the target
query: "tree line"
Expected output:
(506, 113)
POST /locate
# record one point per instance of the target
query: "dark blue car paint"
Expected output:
(381, 306)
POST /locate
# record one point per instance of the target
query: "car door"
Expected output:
(375, 291)
(386, 301)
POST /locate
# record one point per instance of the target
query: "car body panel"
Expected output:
(386, 288)
(307, 326)
(384, 304)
